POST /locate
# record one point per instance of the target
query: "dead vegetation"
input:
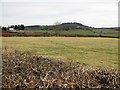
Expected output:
(24, 70)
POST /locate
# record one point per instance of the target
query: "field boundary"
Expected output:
(17, 34)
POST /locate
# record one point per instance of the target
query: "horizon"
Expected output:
(94, 13)
(61, 23)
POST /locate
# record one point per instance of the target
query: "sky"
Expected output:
(94, 13)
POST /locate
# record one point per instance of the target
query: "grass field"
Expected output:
(78, 32)
(112, 33)
(95, 52)
(109, 32)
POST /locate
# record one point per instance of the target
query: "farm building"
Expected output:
(11, 29)
(103, 32)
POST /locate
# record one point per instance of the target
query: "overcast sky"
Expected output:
(95, 13)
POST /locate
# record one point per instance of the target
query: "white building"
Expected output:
(11, 29)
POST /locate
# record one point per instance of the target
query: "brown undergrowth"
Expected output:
(25, 70)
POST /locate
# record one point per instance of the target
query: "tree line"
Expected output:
(16, 27)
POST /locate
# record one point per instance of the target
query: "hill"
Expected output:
(66, 26)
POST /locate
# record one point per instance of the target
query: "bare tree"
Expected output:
(58, 27)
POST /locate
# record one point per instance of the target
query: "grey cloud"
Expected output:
(96, 13)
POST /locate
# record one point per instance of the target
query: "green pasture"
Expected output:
(94, 52)
(111, 33)
(77, 32)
